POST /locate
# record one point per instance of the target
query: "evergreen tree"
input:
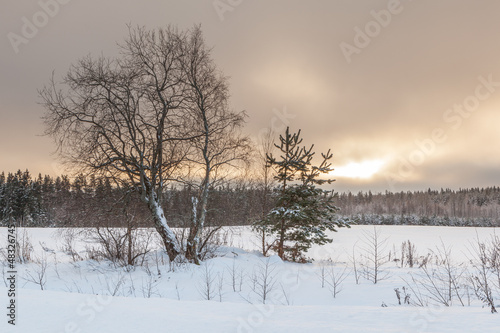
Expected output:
(303, 212)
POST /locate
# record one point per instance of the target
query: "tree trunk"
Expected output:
(281, 244)
(193, 242)
(264, 247)
(130, 262)
(167, 235)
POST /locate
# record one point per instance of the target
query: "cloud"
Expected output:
(286, 54)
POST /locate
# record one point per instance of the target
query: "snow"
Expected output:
(55, 312)
(170, 234)
(169, 298)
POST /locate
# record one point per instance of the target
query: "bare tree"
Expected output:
(441, 284)
(264, 280)
(481, 278)
(355, 265)
(374, 248)
(207, 282)
(130, 118)
(39, 274)
(337, 277)
(236, 275)
(218, 144)
(322, 274)
(266, 147)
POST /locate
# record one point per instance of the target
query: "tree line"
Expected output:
(466, 207)
(45, 201)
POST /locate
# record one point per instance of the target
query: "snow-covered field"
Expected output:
(332, 294)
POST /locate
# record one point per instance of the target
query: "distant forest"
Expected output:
(44, 201)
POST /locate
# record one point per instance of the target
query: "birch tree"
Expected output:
(127, 117)
(219, 143)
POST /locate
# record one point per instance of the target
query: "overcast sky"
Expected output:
(405, 93)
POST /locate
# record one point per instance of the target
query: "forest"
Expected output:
(45, 201)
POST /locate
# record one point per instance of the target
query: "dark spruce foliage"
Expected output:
(302, 212)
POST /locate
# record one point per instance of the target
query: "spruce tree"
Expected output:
(303, 212)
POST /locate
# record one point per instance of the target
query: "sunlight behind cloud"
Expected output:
(363, 170)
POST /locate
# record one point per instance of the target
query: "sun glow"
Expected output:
(362, 170)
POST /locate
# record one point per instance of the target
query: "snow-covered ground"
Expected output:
(90, 296)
